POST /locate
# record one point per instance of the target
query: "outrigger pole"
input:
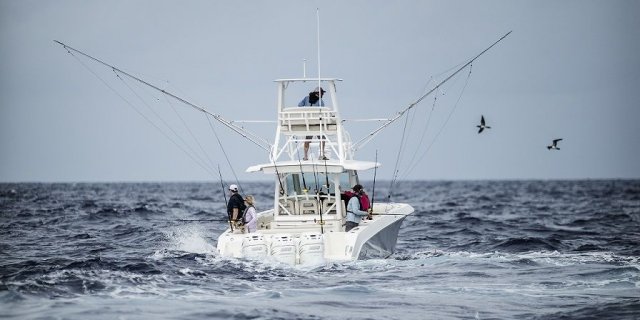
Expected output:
(256, 139)
(370, 136)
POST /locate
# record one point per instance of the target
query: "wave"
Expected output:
(525, 245)
(627, 308)
(479, 246)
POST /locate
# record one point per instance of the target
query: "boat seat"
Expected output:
(329, 206)
(307, 226)
(307, 207)
(287, 206)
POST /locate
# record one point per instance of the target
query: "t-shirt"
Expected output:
(251, 219)
(354, 214)
(235, 201)
(306, 103)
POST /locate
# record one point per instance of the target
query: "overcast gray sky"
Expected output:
(569, 70)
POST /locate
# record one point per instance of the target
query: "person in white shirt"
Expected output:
(250, 215)
(354, 212)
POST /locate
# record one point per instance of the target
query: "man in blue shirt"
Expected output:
(313, 99)
(354, 214)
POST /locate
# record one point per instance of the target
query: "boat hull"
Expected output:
(374, 238)
(383, 243)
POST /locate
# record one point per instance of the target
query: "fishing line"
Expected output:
(412, 163)
(445, 123)
(224, 152)
(424, 132)
(190, 132)
(187, 145)
(395, 168)
(197, 141)
(256, 139)
(136, 110)
(359, 144)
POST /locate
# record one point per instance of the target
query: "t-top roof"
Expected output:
(307, 79)
(313, 166)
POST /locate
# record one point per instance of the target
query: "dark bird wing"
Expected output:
(482, 121)
(555, 141)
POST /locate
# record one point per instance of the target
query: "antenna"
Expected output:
(304, 68)
(321, 102)
(318, 37)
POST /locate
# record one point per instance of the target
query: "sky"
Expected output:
(569, 70)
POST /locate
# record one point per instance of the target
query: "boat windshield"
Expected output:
(312, 183)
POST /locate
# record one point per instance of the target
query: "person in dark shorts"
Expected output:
(235, 206)
(313, 99)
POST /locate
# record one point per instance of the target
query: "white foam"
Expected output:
(545, 257)
(191, 238)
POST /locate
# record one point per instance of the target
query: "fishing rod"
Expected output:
(304, 181)
(326, 174)
(318, 202)
(321, 136)
(224, 193)
(362, 142)
(275, 166)
(373, 191)
(198, 220)
(256, 139)
(326, 177)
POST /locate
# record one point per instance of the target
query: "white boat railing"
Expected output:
(308, 120)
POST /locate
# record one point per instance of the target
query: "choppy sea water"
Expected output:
(472, 250)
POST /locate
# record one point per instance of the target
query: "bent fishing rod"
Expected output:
(370, 136)
(256, 139)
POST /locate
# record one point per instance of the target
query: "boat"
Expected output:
(306, 224)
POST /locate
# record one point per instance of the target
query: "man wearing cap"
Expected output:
(313, 99)
(235, 205)
(354, 214)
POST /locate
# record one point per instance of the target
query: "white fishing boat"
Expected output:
(306, 224)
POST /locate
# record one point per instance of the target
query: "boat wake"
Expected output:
(190, 238)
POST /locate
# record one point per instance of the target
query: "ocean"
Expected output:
(471, 250)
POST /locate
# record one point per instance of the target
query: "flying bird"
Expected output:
(554, 145)
(482, 125)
